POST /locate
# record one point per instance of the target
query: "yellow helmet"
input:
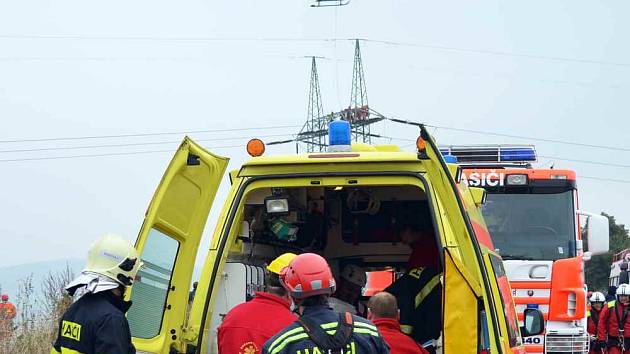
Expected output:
(114, 257)
(280, 262)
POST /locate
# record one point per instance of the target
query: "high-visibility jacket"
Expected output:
(95, 324)
(419, 295)
(364, 339)
(609, 320)
(399, 343)
(7, 311)
(249, 325)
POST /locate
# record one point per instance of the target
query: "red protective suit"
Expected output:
(608, 328)
(398, 342)
(248, 326)
(7, 311)
(592, 324)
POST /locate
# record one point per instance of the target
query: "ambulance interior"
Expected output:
(346, 225)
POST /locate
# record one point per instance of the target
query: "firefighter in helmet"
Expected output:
(351, 280)
(96, 322)
(597, 301)
(613, 332)
(310, 283)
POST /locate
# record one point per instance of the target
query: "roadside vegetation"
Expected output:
(39, 308)
(598, 268)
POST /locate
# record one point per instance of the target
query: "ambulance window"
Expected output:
(150, 290)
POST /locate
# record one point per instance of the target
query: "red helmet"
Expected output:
(5, 297)
(308, 275)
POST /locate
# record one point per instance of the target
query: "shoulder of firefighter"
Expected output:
(419, 299)
(363, 338)
(96, 323)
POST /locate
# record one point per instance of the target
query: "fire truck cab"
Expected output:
(534, 221)
(345, 205)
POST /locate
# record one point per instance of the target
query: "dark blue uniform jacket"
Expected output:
(365, 337)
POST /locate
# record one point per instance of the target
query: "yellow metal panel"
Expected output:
(179, 209)
(460, 311)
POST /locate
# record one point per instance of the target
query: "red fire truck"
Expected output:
(534, 221)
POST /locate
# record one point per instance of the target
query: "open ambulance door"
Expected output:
(168, 243)
(461, 308)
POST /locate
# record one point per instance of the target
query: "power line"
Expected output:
(146, 134)
(556, 141)
(587, 161)
(106, 154)
(132, 144)
(333, 40)
(606, 179)
(496, 53)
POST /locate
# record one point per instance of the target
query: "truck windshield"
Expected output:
(531, 226)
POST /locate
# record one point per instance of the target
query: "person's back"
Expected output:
(249, 325)
(383, 312)
(310, 283)
(96, 323)
(364, 339)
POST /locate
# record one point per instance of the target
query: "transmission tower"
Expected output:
(314, 131)
(358, 113)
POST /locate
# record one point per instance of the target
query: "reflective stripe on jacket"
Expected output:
(365, 338)
(419, 295)
(95, 324)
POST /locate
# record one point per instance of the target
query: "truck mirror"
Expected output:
(597, 233)
(534, 323)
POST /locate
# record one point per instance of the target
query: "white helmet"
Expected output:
(623, 289)
(113, 257)
(597, 297)
(354, 274)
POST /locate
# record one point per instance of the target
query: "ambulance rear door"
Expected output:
(168, 243)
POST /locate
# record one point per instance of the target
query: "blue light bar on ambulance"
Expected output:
(491, 154)
(339, 136)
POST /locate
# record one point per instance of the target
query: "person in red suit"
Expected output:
(613, 332)
(597, 301)
(383, 312)
(247, 326)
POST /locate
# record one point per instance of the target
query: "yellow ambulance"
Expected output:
(345, 204)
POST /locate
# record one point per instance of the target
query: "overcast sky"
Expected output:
(549, 69)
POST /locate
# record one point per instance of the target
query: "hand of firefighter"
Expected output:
(600, 344)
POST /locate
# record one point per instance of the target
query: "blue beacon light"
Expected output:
(339, 136)
(518, 154)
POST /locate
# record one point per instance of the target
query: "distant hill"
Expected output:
(11, 276)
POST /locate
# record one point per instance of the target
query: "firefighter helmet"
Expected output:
(623, 289)
(354, 274)
(308, 275)
(5, 297)
(278, 264)
(113, 257)
(597, 297)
